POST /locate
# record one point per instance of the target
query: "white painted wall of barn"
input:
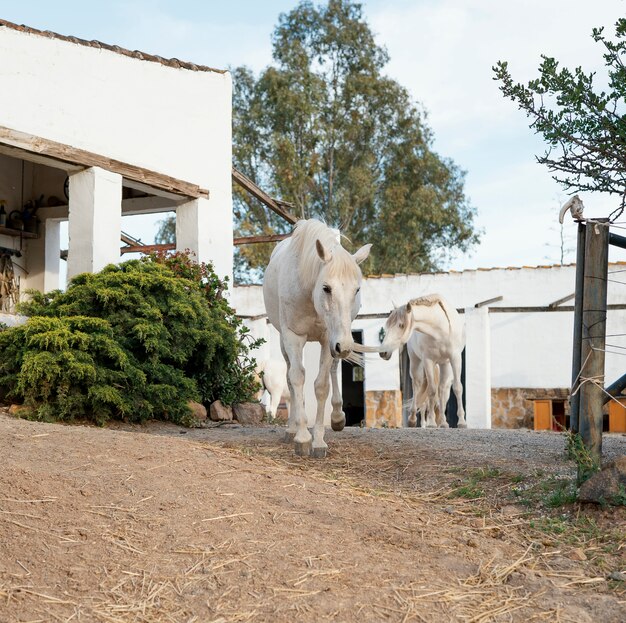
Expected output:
(173, 121)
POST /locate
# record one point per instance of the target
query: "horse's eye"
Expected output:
(401, 327)
(358, 290)
(327, 289)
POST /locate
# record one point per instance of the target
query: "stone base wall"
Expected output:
(512, 407)
(383, 409)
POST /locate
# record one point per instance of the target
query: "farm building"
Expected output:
(519, 325)
(92, 133)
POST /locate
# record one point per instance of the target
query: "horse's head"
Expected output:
(397, 330)
(336, 294)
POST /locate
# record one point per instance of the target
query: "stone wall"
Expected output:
(383, 409)
(512, 407)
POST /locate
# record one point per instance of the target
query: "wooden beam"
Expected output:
(558, 302)
(81, 157)
(147, 248)
(280, 207)
(495, 299)
(259, 239)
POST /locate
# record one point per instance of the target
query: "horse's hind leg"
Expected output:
(443, 393)
(322, 386)
(337, 417)
(431, 388)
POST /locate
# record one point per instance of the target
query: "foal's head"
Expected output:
(397, 330)
(336, 294)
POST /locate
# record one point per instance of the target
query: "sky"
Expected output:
(442, 51)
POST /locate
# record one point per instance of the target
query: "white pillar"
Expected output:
(52, 254)
(478, 367)
(95, 220)
(205, 227)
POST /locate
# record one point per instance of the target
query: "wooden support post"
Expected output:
(578, 325)
(593, 338)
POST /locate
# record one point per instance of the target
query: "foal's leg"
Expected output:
(431, 390)
(337, 417)
(293, 345)
(445, 383)
(322, 387)
(415, 374)
(457, 386)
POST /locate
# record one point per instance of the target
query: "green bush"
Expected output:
(133, 342)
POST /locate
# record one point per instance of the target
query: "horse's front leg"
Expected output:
(337, 417)
(293, 346)
(457, 386)
(322, 387)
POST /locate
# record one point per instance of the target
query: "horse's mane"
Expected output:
(428, 300)
(302, 242)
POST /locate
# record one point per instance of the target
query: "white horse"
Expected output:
(441, 341)
(423, 397)
(311, 292)
(273, 378)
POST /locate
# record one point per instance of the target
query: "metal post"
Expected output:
(578, 325)
(593, 338)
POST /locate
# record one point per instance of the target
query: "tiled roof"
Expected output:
(473, 270)
(142, 56)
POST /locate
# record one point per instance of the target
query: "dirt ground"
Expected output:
(158, 523)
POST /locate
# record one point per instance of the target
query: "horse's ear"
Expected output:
(362, 253)
(409, 309)
(321, 251)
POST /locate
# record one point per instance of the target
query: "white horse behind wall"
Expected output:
(273, 378)
(311, 292)
(437, 335)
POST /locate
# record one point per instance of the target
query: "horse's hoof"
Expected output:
(431, 425)
(289, 437)
(412, 423)
(303, 448)
(462, 425)
(338, 424)
(444, 425)
(319, 453)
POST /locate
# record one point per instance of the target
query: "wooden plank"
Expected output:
(17, 233)
(260, 239)
(280, 207)
(147, 248)
(76, 156)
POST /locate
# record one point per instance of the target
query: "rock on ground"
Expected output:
(219, 412)
(607, 485)
(249, 413)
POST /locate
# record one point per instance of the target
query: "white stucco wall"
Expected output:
(169, 120)
(174, 121)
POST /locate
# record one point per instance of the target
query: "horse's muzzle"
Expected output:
(386, 355)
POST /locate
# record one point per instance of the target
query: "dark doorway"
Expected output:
(406, 387)
(353, 388)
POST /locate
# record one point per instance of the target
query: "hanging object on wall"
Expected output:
(9, 285)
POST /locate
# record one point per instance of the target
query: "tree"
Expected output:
(167, 230)
(325, 129)
(584, 127)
